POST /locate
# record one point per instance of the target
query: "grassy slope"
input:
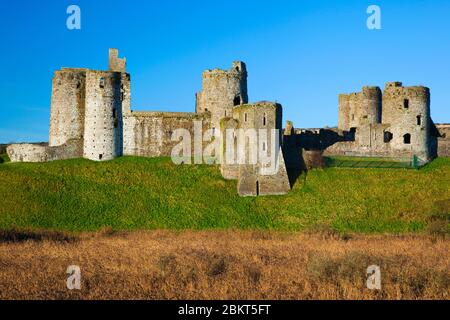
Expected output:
(139, 193)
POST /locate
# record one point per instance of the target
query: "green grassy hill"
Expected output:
(138, 193)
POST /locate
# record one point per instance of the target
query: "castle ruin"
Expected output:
(91, 117)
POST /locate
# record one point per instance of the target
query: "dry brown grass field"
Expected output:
(222, 265)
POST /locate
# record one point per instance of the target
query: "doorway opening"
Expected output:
(407, 139)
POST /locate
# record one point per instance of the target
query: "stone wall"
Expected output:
(27, 152)
(252, 183)
(229, 128)
(443, 142)
(149, 134)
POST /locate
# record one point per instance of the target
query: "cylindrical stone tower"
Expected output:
(407, 110)
(67, 107)
(103, 139)
(371, 106)
(221, 91)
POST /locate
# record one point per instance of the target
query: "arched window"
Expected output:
(407, 139)
(264, 119)
(388, 136)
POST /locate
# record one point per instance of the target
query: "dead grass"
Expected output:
(224, 265)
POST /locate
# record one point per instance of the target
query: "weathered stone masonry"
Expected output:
(91, 117)
(396, 124)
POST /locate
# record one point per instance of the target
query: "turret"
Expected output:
(407, 110)
(221, 91)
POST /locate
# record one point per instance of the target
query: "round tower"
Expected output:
(221, 91)
(103, 139)
(371, 106)
(361, 109)
(407, 111)
(67, 107)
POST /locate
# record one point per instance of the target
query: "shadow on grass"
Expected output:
(18, 236)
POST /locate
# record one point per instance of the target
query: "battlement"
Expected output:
(395, 84)
(237, 68)
(400, 91)
(372, 92)
(163, 114)
(259, 104)
(366, 92)
(64, 69)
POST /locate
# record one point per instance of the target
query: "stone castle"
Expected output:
(91, 117)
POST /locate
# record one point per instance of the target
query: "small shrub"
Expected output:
(4, 158)
(217, 266)
(439, 220)
(351, 266)
(313, 159)
(253, 273)
(438, 228)
(107, 231)
(441, 211)
(326, 231)
(167, 263)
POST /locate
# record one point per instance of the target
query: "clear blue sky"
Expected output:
(299, 53)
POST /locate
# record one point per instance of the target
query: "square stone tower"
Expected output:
(253, 137)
